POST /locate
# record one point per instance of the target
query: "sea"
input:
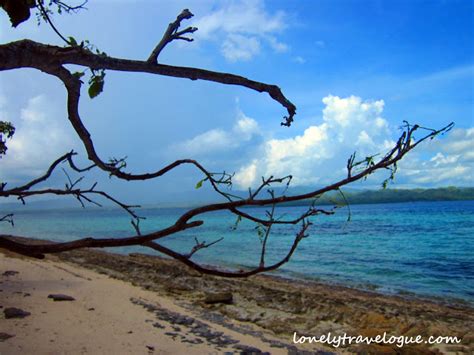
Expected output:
(419, 249)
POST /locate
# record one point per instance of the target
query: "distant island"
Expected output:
(354, 197)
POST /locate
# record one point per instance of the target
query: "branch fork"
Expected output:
(172, 34)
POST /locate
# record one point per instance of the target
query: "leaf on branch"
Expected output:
(96, 84)
(7, 129)
(237, 222)
(95, 88)
(78, 74)
(260, 231)
(199, 183)
(72, 41)
(391, 178)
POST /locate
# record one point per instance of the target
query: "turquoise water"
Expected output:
(423, 248)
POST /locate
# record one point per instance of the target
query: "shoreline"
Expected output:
(366, 288)
(378, 290)
(273, 307)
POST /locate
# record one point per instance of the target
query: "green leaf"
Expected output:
(199, 183)
(78, 74)
(72, 41)
(260, 231)
(96, 87)
(236, 224)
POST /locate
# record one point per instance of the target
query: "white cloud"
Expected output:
(42, 135)
(245, 126)
(460, 141)
(447, 161)
(299, 60)
(218, 140)
(242, 27)
(247, 174)
(237, 47)
(441, 159)
(349, 124)
(214, 139)
(442, 175)
(277, 46)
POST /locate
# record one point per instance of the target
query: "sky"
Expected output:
(355, 69)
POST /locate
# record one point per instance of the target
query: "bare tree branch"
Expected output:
(312, 211)
(46, 176)
(38, 250)
(172, 34)
(27, 53)
(201, 245)
(52, 60)
(44, 14)
(239, 274)
(8, 218)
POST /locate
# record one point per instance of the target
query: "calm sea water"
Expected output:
(423, 248)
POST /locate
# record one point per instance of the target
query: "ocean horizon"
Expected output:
(422, 249)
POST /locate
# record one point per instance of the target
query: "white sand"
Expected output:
(115, 326)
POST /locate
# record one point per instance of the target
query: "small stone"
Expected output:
(221, 297)
(158, 325)
(91, 309)
(13, 312)
(61, 297)
(10, 273)
(5, 336)
(248, 349)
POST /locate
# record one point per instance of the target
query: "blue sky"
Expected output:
(355, 70)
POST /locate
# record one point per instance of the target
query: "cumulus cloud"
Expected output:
(449, 161)
(41, 136)
(219, 140)
(349, 124)
(247, 175)
(243, 27)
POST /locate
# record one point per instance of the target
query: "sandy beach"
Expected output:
(141, 304)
